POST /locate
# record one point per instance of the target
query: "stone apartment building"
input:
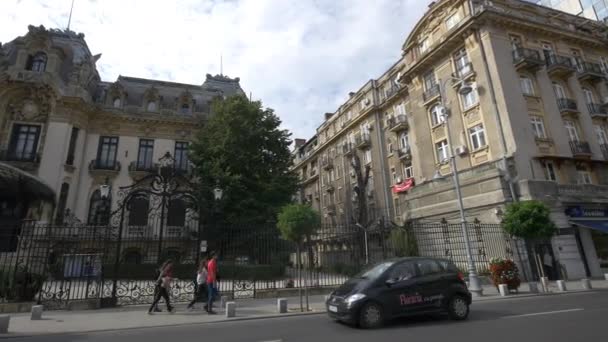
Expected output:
(64, 132)
(534, 125)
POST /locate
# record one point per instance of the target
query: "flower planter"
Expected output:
(504, 271)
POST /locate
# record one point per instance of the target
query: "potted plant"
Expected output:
(504, 271)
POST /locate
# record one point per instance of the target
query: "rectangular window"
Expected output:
(538, 127)
(394, 175)
(106, 155)
(332, 175)
(549, 169)
(145, 154)
(404, 141)
(181, 155)
(408, 170)
(461, 62)
(424, 45)
(72, 146)
(571, 129)
(469, 99)
(452, 21)
(399, 109)
(367, 156)
(601, 135)
(583, 177)
(441, 149)
(24, 142)
(526, 86)
(478, 137)
(604, 64)
(429, 80)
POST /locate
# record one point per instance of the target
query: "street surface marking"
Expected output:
(545, 313)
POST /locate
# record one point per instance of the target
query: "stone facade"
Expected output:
(536, 115)
(62, 123)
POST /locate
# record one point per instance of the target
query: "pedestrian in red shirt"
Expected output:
(211, 282)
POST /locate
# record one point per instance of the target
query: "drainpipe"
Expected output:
(384, 166)
(501, 132)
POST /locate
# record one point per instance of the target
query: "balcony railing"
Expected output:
(597, 110)
(431, 93)
(604, 148)
(580, 148)
(404, 153)
(327, 164)
(398, 123)
(557, 64)
(105, 165)
(567, 105)
(363, 140)
(348, 148)
(527, 58)
(589, 71)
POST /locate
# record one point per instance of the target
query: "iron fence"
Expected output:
(59, 265)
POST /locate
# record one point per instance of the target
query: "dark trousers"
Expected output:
(162, 293)
(200, 295)
(211, 292)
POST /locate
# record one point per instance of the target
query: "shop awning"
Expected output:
(596, 224)
(14, 180)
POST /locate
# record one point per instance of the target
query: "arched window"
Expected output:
(37, 62)
(117, 103)
(185, 108)
(176, 215)
(132, 257)
(151, 106)
(99, 210)
(138, 211)
(436, 116)
(527, 87)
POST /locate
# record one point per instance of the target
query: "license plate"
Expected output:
(333, 308)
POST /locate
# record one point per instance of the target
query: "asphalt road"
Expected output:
(558, 318)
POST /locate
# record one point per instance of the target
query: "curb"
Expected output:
(274, 316)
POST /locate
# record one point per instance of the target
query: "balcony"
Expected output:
(105, 167)
(597, 111)
(431, 94)
(580, 148)
(567, 106)
(398, 123)
(527, 59)
(327, 164)
(604, 148)
(463, 73)
(313, 173)
(392, 91)
(363, 140)
(348, 149)
(591, 72)
(404, 153)
(559, 66)
(23, 161)
(140, 169)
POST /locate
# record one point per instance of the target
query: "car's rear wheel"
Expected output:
(371, 316)
(458, 308)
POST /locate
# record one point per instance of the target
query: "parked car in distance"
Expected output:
(401, 287)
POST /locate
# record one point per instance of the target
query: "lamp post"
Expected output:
(465, 88)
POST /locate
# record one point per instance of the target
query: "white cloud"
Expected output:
(299, 57)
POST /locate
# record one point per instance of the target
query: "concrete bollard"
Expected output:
(37, 312)
(533, 287)
(561, 286)
(586, 284)
(606, 276)
(282, 305)
(503, 289)
(4, 320)
(230, 309)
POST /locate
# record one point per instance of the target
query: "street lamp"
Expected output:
(465, 88)
(104, 189)
(218, 193)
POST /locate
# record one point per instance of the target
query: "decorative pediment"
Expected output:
(32, 103)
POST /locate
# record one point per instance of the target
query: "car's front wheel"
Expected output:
(371, 316)
(458, 308)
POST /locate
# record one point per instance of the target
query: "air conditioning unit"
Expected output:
(461, 150)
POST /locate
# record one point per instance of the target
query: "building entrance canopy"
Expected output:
(597, 224)
(15, 182)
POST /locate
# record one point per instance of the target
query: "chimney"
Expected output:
(300, 142)
(351, 94)
(328, 115)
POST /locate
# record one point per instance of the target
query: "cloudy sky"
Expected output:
(300, 57)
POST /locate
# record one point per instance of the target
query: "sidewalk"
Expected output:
(132, 317)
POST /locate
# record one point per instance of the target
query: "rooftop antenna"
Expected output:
(70, 19)
(221, 64)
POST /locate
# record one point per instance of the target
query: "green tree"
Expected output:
(529, 219)
(242, 148)
(297, 223)
(404, 242)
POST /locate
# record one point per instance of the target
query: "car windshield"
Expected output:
(375, 271)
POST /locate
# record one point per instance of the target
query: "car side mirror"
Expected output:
(390, 282)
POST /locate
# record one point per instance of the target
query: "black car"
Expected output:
(401, 287)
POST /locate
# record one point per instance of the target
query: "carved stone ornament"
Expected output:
(33, 103)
